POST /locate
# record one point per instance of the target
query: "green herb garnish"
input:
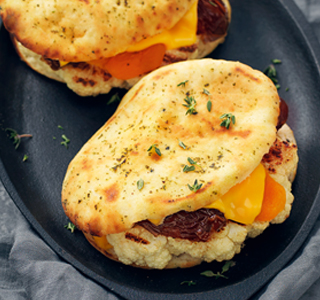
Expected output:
(156, 149)
(191, 168)
(182, 145)
(206, 92)
(195, 187)
(25, 157)
(188, 168)
(140, 184)
(225, 268)
(70, 226)
(60, 127)
(228, 118)
(191, 161)
(191, 105)
(271, 72)
(114, 98)
(276, 61)
(209, 105)
(183, 83)
(211, 274)
(189, 283)
(17, 137)
(65, 141)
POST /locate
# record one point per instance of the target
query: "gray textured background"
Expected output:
(29, 269)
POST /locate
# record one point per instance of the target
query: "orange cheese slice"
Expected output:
(243, 202)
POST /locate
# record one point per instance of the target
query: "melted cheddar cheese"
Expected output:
(184, 33)
(243, 202)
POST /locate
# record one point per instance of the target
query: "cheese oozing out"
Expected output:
(182, 34)
(243, 202)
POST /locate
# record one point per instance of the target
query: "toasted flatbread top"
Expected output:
(101, 192)
(84, 30)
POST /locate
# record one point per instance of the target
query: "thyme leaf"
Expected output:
(70, 226)
(114, 98)
(25, 157)
(182, 145)
(65, 141)
(183, 83)
(156, 149)
(188, 168)
(276, 61)
(209, 105)
(191, 161)
(191, 105)
(205, 91)
(140, 184)
(227, 119)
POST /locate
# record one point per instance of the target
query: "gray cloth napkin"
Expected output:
(29, 269)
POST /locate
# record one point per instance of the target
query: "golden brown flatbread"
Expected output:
(101, 192)
(54, 41)
(77, 31)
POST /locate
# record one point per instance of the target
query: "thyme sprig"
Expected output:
(225, 268)
(156, 149)
(192, 167)
(17, 137)
(195, 187)
(227, 119)
(65, 141)
(191, 105)
(271, 72)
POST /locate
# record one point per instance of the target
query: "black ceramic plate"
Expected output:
(30, 103)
